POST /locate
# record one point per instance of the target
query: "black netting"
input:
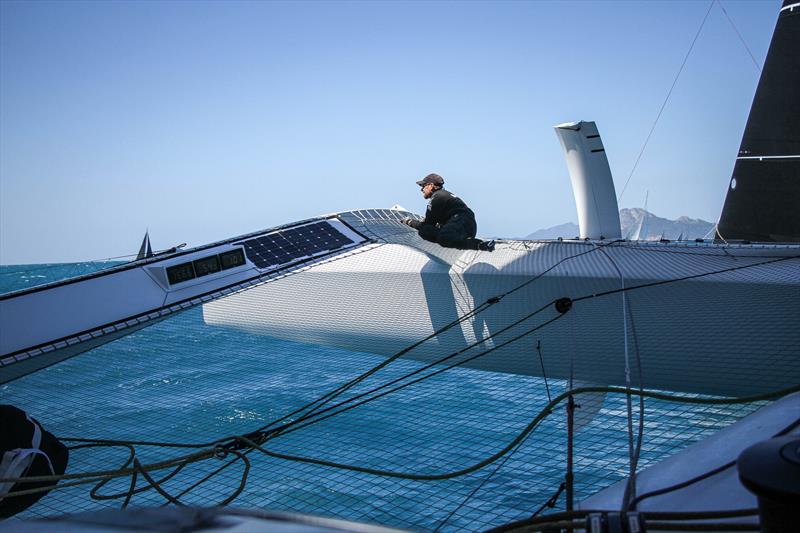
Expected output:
(184, 381)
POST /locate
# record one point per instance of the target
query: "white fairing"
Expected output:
(595, 198)
(46, 324)
(401, 289)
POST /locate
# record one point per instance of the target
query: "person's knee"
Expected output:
(472, 228)
(450, 239)
(429, 232)
(449, 243)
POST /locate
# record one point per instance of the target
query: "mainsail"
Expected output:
(763, 201)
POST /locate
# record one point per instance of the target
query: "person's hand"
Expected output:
(408, 221)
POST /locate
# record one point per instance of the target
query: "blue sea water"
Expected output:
(182, 381)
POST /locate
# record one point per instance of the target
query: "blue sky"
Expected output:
(205, 120)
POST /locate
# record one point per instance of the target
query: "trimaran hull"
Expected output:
(678, 298)
(698, 317)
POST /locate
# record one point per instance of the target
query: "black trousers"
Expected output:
(458, 232)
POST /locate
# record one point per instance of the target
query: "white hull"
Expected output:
(736, 319)
(43, 325)
(722, 491)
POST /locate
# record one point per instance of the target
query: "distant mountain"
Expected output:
(567, 230)
(631, 220)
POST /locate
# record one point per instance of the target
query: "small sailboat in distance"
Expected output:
(145, 250)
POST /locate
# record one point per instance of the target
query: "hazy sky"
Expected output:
(205, 120)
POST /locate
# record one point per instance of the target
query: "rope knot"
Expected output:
(221, 450)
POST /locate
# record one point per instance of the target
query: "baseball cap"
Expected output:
(436, 179)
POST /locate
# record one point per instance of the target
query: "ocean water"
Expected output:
(181, 381)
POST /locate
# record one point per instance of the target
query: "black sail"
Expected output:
(763, 201)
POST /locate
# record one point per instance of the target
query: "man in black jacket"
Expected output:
(448, 220)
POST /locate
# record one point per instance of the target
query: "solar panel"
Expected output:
(291, 244)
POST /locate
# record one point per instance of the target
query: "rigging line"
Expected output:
(545, 411)
(738, 268)
(725, 252)
(641, 392)
(306, 422)
(94, 493)
(662, 282)
(640, 436)
(90, 477)
(549, 503)
(758, 67)
(83, 261)
(630, 487)
(664, 104)
(486, 480)
(717, 233)
(685, 278)
(204, 454)
(213, 474)
(332, 394)
(594, 248)
(315, 405)
(474, 312)
(544, 374)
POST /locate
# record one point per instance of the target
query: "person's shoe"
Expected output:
(487, 246)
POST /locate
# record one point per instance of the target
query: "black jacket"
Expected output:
(443, 205)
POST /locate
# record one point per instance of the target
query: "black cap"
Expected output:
(436, 179)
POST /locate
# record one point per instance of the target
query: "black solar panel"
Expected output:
(288, 245)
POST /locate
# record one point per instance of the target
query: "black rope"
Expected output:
(480, 486)
(630, 488)
(544, 374)
(551, 503)
(685, 278)
(548, 503)
(305, 423)
(321, 410)
(314, 407)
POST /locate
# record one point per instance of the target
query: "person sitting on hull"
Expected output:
(448, 220)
